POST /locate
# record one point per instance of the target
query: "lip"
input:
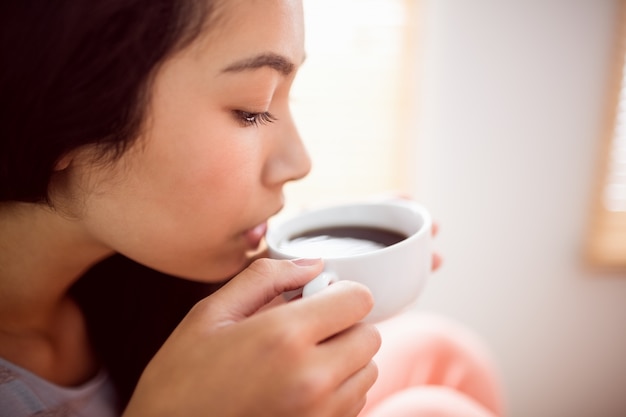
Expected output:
(254, 235)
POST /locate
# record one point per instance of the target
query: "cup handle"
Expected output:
(318, 283)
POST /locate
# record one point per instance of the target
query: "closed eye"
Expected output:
(247, 119)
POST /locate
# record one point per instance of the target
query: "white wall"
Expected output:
(510, 115)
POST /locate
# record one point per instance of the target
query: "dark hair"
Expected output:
(77, 72)
(130, 310)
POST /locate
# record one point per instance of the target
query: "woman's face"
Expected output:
(192, 197)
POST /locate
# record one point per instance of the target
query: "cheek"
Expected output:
(214, 172)
(201, 188)
(202, 147)
(183, 219)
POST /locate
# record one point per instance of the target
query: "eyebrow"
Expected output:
(270, 60)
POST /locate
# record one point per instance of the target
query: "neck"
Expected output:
(42, 253)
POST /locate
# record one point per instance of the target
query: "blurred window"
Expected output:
(607, 243)
(353, 99)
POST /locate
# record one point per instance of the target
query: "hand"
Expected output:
(309, 357)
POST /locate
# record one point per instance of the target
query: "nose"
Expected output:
(288, 159)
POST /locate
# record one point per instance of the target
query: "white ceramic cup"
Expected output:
(394, 274)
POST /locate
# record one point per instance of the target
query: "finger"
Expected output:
(351, 396)
(434, 229)
(257, 286)
(347, 352)
(332, 310)
(437, 260)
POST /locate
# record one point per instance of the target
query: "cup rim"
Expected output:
(273, 241)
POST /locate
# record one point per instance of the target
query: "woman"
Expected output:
(144, 145)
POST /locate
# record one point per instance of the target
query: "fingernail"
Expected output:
(305, 261)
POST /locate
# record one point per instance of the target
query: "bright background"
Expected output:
(490, 113)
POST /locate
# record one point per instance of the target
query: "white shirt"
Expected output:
(24, 394)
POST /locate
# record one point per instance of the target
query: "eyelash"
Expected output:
(254, 119)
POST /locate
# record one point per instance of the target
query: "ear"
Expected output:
(64, 162)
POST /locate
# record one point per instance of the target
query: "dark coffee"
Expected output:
(340, 241)
(382, 237)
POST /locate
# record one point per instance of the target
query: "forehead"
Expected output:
(242, 28)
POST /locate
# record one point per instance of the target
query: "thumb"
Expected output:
(256, 286)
